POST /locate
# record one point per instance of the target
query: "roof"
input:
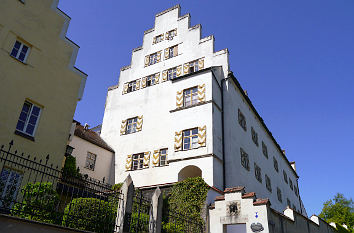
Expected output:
(91, 136)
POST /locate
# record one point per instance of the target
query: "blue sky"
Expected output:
(294, 58)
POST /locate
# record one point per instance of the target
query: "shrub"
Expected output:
(117, 186)
(70, 169)
(90, 214)
(39, 203)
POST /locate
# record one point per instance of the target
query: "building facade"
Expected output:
(179, 112)
(39, 84)
(93, 156)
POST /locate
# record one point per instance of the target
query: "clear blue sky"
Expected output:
(295, 59)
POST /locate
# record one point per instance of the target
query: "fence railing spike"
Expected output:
(11, 143)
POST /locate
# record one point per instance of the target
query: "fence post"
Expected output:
(156, 212)
(125, 208)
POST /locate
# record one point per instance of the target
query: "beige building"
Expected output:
(39, 84)
(93, 155)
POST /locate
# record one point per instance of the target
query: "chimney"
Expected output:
(245, 91)
(293, 165)
(283, 152)
(86, 126)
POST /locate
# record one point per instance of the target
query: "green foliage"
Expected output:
(39, 203)
(117, 186)
(339, 210)
(70, 167)
(143, 222)
(341, 229)
(171, 227)
(90, 214)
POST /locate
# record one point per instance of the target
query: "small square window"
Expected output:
(150, 80)
(171, 34)
(264, 150)
(20, 51)
(138, 161)
(131, 125)
(193, 66)
(257, 172)
(285, 177)
(171, 52)
(254, 136)
(28, 120)
(172, 73)
(163, 157)
(279, 195)
(190, 139)
(242, 120)
(158, 39)
(131, 86)
(90, 161)
(275, 163)
(244, 159)
(190, 96)
(153, 59)
(268, 183)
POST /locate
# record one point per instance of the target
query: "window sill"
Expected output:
(19, 133)
(191, 106)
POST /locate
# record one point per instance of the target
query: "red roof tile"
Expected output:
(91, 136)
(247, 195)
(234, 189)
(261, 202)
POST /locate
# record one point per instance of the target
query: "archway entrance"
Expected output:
(189, 171)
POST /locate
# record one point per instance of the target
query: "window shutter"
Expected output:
(143, 82)
(201, 64)
(175, 50)
(154, 40)
(164, 76)
(128, 163)
(123, 126)
(202, 135)
(176, 32)
(157, 78)
(179, 71)
(146, 159)
(179, 99)
(167, 53)
(125, 88)
(147, 59)
(139, 124)
(137, 84)
(178, 141)
(166, 37)
(159, 56)
(201, 93)
(186, 68)
(156, 158)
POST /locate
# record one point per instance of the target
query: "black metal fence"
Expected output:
(34, 189)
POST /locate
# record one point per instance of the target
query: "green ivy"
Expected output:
(70, 167)
(39, 203)
(117, 186)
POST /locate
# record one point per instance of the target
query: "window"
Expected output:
(20, 51)
(158, 39)
(153, 59)
(244, 159)
(257, 172)
(69, 150)
(10, 183)
(190, 96)
(268, 183)
(275, 162)
(254, 136)
(190, 139)
(131, 125)
(171, 52)
(291, 184)
(163, 157)
(172, 73)
(90, 161)
(138, 161)
(288, 202)
(264, 150)
(131, 86)
(28, 120)
(285, 177)
(171, 34)
(150, 80)
(242, 120)
(279, 195)
(193, 66)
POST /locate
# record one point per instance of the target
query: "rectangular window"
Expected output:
(257, 172)
(190, 96)
(190, 139)
(131, 125)
(172, 73)
(158, 39)
(291, 184)
(254, 136)
(193, 66)
(150, 80)
(264, 150)
(20, 51)
(268, 183)
(131, 86)
(153, 59)
(138, 161)
(90, 161)
(10, 183)
(279, 195)
(163, 157)
(242, 120)
(29, 117)
(172, 52)
(275, 162)
(285, 177)
(171, 34)
(244, 159)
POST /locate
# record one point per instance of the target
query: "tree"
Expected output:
(339, 210)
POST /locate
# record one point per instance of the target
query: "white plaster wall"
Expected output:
(104, 159)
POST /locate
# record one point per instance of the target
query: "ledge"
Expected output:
(191, 106)
(19, 133)
(248, 195)
(234, 189)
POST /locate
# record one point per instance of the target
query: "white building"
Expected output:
(179, 112)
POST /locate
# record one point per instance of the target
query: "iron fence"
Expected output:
(34, 189)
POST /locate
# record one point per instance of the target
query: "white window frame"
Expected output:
(28, 118)
(163, 155)
(134, 125)
(193, 93)
(139, 160)
(192, 144)
(172, 73)
(19, 51)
